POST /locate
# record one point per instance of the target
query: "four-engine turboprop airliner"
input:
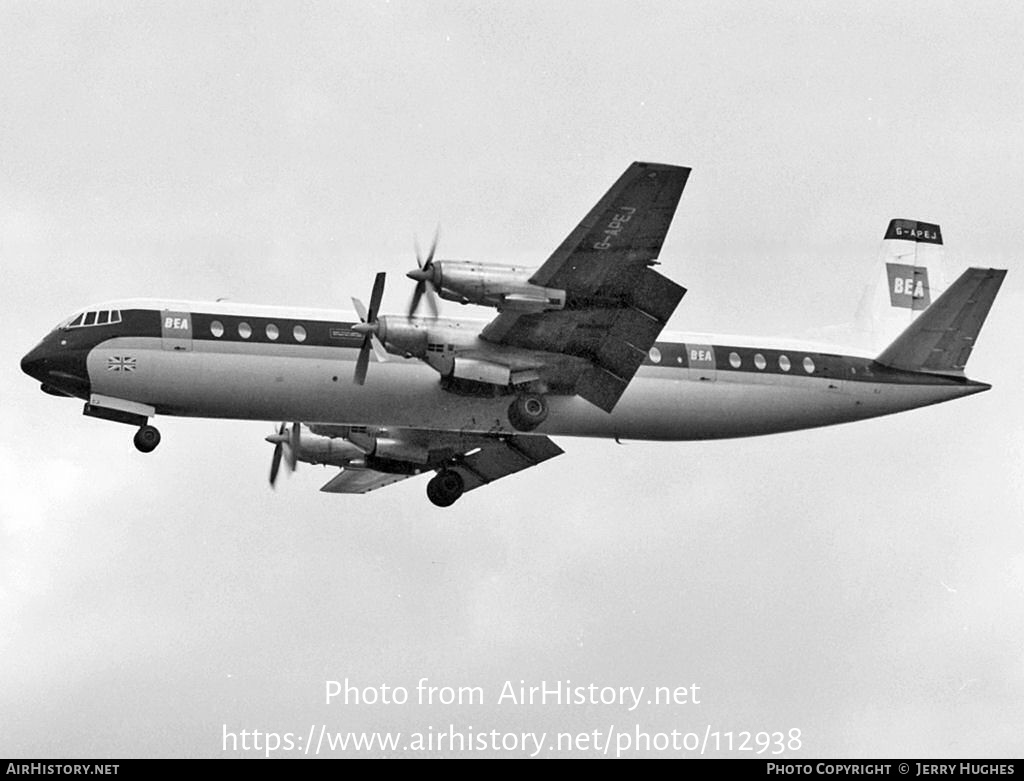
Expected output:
(577, 348)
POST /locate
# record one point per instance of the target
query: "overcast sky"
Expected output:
(863, 583)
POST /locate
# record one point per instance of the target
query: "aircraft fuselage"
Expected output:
(235, 361)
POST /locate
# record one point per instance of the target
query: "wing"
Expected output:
(616, 305)
(624, 231)
(360, 481)
(502, 457)
(480, 459)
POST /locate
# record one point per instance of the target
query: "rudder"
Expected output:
(909, 275)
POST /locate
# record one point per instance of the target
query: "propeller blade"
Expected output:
(363, 361)
(360, 309)
(368, 328)
(379, 351)
(278, 439)
(275, 464)
(433, 247)
(424, 287)
(376, 296)
(432, 301)
(425, 277)
(293, 445)
(416, 294)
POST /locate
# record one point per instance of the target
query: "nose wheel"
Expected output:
(528, 411)
(146, 439)
(445, 488)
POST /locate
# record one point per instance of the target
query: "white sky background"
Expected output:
(863, 583)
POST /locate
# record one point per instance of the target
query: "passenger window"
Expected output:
(244, 330)
(272, 332)
(90, 318)
(299, 333)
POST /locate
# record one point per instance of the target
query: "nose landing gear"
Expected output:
(146, 439)
(528, 411)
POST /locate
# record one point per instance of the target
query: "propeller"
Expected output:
(286, 443)
(378, 349)
(369, 326)
(426, 277)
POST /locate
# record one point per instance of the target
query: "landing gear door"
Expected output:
(176, 330)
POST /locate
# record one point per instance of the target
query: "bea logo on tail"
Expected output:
(908, 286)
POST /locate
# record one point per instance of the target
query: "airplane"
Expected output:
(576, 349)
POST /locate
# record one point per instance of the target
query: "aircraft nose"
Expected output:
(34, 363)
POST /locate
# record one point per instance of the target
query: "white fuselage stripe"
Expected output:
(314, 384)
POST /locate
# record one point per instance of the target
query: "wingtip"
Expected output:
(660, 166)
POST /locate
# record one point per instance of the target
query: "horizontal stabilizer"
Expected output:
(940, 340)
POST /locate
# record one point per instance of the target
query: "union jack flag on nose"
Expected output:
(120, 363)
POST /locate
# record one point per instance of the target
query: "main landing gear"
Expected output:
(146, 439)
(528, 411)
(445, 488)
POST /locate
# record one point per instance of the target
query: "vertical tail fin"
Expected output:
(941, 339)
(909, 274)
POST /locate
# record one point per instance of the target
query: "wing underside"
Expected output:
(502, 457)
(479, 460)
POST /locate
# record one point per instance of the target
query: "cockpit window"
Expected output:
(97, 317)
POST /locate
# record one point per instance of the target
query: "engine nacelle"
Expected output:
(493, 284)
(454, 349)
(428, 340)
(389, 448)
(397, 450)
(316, 449)
(408, 338)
